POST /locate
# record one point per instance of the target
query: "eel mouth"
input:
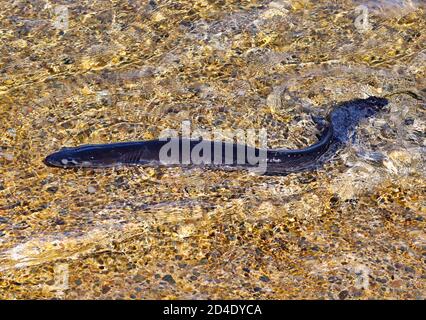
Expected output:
(50, 161)
(60, 160)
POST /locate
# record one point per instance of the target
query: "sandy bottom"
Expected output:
(96, 72)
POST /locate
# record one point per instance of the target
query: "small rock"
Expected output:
(52, 189)
(264, 278)
(362, 276)
(105, 289)
(273, 100)
(409, 121)
(7, 156)
(120, 181)
(59, 222)
(396, 284)
(138, 278)
(409, 269)
(333, 279)
(91, 189)
(356, 293)
(68, 60)
(104, 97)
(343, 294)
(168, 278)
(12, 131)
(382, 280)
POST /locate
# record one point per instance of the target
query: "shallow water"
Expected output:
(352, 229)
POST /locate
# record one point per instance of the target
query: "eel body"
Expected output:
(341, 124)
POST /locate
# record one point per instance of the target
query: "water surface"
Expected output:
(97, 72)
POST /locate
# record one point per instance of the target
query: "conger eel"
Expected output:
(341, 124)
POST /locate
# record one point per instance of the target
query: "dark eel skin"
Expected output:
(342, 122)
